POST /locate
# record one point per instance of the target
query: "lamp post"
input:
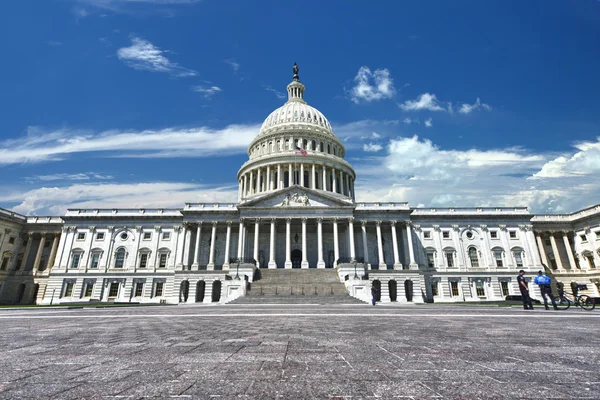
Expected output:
(237, 270)
(355, 274)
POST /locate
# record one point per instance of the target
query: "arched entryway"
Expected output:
(296, 258)
(377, 285)
(20, 293)
(216, 291)
(408, 289)
(184, 291)
(393, 290)
(200, 289)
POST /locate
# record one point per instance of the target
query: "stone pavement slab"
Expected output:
(300, 352)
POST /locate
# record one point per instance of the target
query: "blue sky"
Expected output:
(152, 103)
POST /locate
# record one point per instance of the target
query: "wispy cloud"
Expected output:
(370, 86)
(143, 55)
(208, 92)
(280, 95)
(429, 122)
(426, 101)
(469, 108)
(83, 176)
(41, 145)
(87, 7)
(233, 64)
(372, 147)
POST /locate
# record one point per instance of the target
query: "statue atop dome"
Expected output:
(296, 70)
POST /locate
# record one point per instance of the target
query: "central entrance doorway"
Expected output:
(296, 258)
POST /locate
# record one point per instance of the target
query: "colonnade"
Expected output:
(310, 175)
(560, 264)
(16, 265)
(255, 224)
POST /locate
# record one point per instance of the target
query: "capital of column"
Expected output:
(304, 219)
(416, 227)
(436, 227)
(157, 228)
(393, 222)
(363, 222)
(92, 229)
(214, 224)
(378, 223)
(288, 220)
(177, 228)
(502, 227)
(350, 219)
(335, 219)
(43, 234)
(319, 219)
(257, 220)
(456, 227)
(30, 234)
(229, 223)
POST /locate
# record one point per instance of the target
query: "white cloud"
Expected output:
(373, 135)
(56, 200)
(429, 123)
(208, 92)
(83, 176)
(128, 6)
(234, 65)
(41, 145)
(586, 161)
(370, 86)
(372, 147)
(143, 55)
(468, 108)
(280, 95)
(426, 101)
(409, 121)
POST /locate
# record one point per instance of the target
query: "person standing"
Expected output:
(524, 288)
(374, 291)
(543, 281)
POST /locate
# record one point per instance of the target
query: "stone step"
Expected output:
(256, 288)
(297, 275)
(299, 299)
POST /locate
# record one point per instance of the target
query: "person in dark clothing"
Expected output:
(543, 281)
(374, 292)
(524, 288)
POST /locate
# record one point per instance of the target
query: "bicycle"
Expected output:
(565, 299)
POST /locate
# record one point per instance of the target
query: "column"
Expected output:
(341, 182)
(555, 251)
(279, 177)
(211, 256)
(321, 262)
(304, 255)
(572, 264)
(411, 250)
(324, 178)
(334, 182)
(38, 255)
(541, 249)
(227, 245)
(363, 225)
(459, 253)
(347, 185)
(291, 174)
(288, 243)
(53, 250)
(336, 243)
(196, 263)
(240, 242)
(245, 191)
(272, 263)
(268, 177)
(382, 264)
(28, 249)
(252, 187)
(302, 174)
(351, 233)
(313, 178)
(439, 248)
(256, 233)
(397, 263)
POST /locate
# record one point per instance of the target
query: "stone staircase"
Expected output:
(297, 286)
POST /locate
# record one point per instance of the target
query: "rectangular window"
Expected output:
(76, 259)
(450, 258)
(512, 234)
(480, 289)
(446, 234)
(166, 235)
(518, 258)
(583, 238)
(89, 289)
(597, 233)
(426, 235)
(100, 236)
(434, 289)
(114, 289)
(4, 263)
(498, 258)
(454, 288)
(11, 240)
(68, 289)
(590, 259)
(139, 289)
(159, 289)
(147, 235)
(504, 288)
(430, 259)
(163, 261)
(493, 234)
(95, 260)
(143, 260)
(81, 236)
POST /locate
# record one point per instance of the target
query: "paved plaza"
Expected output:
(299, 352)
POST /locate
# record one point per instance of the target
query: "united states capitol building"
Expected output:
(296, 209)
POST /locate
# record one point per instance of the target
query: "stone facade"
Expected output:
(296, 209)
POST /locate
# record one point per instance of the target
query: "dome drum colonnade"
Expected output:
(302, 131)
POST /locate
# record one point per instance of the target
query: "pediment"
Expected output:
(298, 197)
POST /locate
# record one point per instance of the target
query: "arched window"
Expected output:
(321, 147)
(120, 258)
(328, 148)
(279, 145)
(314, 145)
(518, 255)
(473, 257)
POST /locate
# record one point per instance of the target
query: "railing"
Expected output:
(349, 260)
(243, 260)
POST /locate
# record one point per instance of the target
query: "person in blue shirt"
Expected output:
(543, 281)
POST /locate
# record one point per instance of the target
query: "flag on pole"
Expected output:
(301, 151)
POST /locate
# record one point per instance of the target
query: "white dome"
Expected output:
(295, 112)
